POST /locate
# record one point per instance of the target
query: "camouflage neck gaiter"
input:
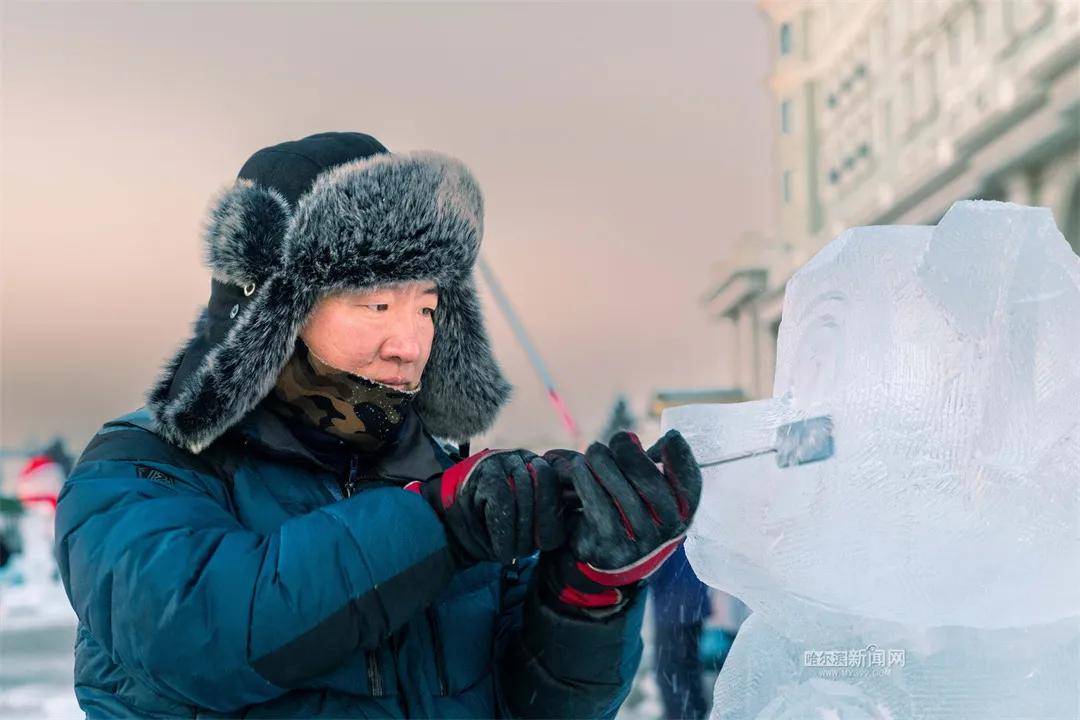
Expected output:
(364, 413)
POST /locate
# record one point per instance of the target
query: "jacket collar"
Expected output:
(415, 455)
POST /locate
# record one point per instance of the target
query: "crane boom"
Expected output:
(530, 350)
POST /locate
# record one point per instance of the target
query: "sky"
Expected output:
(622, 150)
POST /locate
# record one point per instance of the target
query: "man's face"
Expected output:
(384, 335)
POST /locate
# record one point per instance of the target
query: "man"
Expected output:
(680, 605)
(278, 534)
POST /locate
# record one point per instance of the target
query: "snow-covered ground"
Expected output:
(37, 638)
(37, 627)
(36, 668)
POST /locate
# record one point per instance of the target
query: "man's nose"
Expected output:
(403, 343)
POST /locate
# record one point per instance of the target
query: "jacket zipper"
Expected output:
(510, 575)
(440, 658)
(374, 672)
(349, 485)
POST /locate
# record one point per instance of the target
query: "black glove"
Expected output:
(634, 514)
(497, 505)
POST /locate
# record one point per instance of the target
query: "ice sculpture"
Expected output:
(931, 568)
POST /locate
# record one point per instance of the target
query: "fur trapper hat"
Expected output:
(332, 212)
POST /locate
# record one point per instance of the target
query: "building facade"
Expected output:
(887, 112)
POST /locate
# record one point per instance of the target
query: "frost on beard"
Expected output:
(931, 567)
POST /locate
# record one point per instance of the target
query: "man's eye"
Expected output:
(429, 311)
(379, 307)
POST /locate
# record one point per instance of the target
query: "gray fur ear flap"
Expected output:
(462, 389)
(238, 372)
(245, 233)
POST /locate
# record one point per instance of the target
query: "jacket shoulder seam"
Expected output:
(122, 442)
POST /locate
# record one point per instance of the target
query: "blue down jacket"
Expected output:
(252, 581)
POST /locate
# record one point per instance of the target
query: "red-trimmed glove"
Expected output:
(497, 505)
(635, 508)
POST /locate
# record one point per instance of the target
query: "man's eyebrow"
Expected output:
(431, 291)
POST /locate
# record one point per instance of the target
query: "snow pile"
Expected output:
(37, 627)
(31, 593)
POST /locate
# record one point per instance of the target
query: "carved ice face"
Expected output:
(949, 361)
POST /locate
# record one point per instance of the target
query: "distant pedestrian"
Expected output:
(680, 608)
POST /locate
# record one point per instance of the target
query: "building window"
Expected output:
(785, 186)
(907, 94)
(785, 38)
(979, 22)
(952, 37)
(885, 120)
(884, 31)
(928, 85)
(1008, 19)
(785, 117)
